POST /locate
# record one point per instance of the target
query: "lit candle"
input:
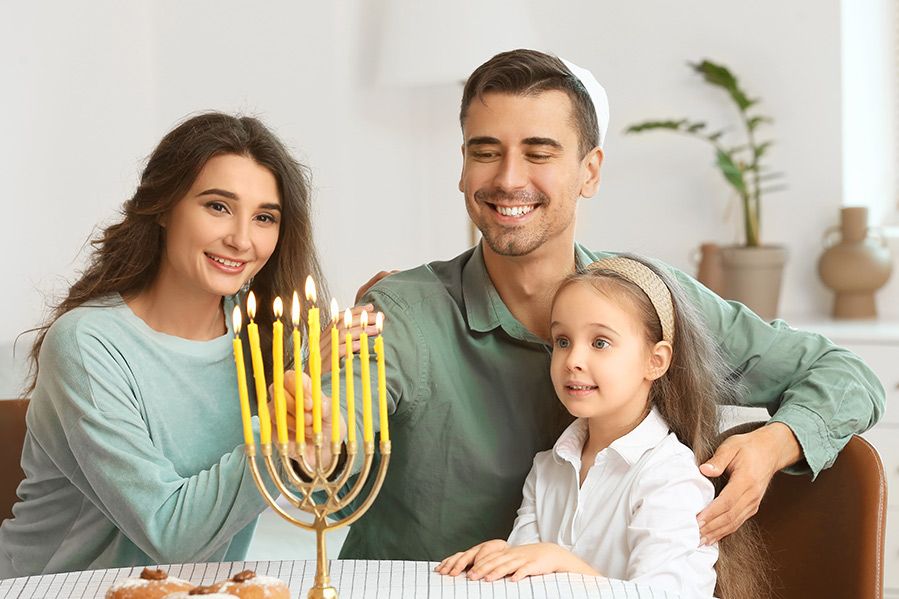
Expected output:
(367, 433)
(265, 425)
(278, 372)
(315, 357)
(241, 379)
(382, 379)
(350, 400)
(299, 412)
(335, 374)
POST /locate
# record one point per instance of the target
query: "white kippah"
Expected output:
(597, 96)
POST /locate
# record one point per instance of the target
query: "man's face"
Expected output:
(522, 173)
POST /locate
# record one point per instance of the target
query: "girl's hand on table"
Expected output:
(456, 563)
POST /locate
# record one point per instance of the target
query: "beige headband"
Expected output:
(653, 286)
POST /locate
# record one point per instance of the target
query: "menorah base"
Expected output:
(322, 593)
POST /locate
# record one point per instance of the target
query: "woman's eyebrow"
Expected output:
(214, 191)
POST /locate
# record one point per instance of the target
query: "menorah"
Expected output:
(312, 483)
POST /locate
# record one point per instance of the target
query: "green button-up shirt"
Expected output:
(471, 402)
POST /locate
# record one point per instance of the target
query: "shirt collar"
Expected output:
(484, 307)
(631, 447)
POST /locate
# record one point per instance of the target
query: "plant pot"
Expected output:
(855, 267)
(752, 276)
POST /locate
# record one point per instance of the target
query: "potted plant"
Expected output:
(752, 271)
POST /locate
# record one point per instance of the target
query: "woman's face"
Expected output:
(224, 229)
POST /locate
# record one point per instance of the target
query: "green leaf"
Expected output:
(713, 137)
(731, 171)
(694, 127)
(757, 120)
(761, 148)
(656, 124)
(720, 76)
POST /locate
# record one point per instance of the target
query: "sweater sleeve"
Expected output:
(823, 392)
(110, 455)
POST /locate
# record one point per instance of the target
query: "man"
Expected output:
(470, 395)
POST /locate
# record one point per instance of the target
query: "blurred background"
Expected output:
(366, 93)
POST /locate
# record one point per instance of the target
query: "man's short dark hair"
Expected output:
(529, 72)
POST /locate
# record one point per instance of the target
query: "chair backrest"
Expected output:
(825, 537)
(12, 437)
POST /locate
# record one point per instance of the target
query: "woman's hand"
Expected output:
(456, 563)
(355, 330)
(290, 382)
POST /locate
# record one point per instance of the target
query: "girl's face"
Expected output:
(224, 229)
(602, 365)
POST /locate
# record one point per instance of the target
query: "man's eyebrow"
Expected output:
(484, 140)
(541, 141)
(214, 191)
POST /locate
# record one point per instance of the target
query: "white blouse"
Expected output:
(635, 516)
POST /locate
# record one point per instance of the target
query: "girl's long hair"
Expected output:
(126, 256)
(687, 396)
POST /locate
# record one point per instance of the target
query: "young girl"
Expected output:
(618, 494)
(134, 447)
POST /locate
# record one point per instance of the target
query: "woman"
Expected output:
(134, 452)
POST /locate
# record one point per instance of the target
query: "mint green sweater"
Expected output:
(133, 453)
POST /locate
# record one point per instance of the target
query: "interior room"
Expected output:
(366, 94)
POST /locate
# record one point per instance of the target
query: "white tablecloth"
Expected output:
(353, 579)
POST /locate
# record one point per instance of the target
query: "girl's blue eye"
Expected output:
(600, 344)
(562, 342)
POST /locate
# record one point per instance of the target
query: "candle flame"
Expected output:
(235, 320)
(310, 289)
(295, 310)
(364, 319)
(335, 311)
(348, 318)
(251, 306)
(379, 322)
(278, 307)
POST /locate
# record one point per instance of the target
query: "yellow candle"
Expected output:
(242, 380)
(278, 372)
(335, 374)
(315, 357)
(382, 379)
(367, 432)
(300, 423)
(350, 400)
(265, 425)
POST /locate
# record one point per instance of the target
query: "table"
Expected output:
(354, 579)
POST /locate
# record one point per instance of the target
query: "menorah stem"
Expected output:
(322, 588)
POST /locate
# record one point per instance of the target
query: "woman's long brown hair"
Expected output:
(126, 255)
(687, 396)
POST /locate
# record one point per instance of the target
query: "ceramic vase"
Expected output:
(752, 276)
(855, 264)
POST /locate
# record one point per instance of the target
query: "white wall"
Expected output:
(89, 88)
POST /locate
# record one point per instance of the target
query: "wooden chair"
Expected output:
(826, 538)
(12, 436)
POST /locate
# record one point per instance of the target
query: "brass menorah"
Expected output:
(305, 480)
(320, 477)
